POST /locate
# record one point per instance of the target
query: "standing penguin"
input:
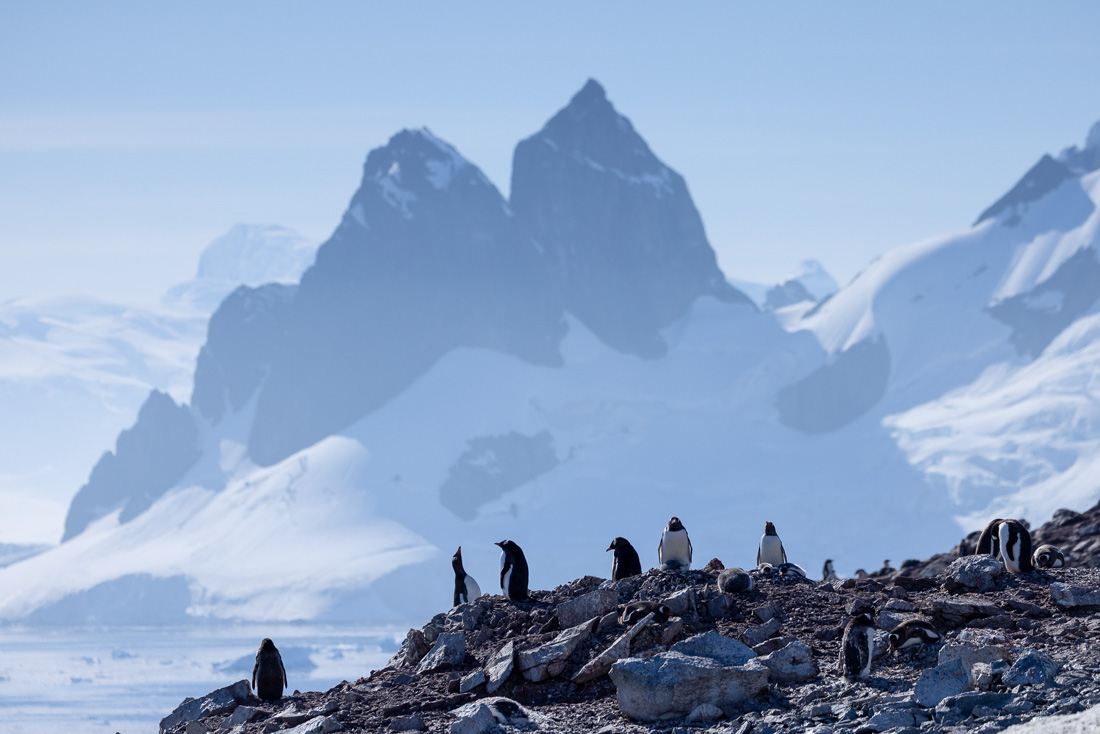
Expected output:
(987, 541)
(513, 571)
(858, 647)
(1048, 556)
(1015, 543)
(674, 550)
(268, 675)
(466, 589)
(828, 573)
(771, 547)
(626, 561)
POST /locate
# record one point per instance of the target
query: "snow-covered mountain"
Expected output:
(94, 363)
(808, 284)
(570, 366)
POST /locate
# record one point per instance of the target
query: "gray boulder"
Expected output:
(682, 602)
(717, 647)
(477, 721)
(976, 573)
(215, 703)
(935, 684)
(1069, 597)
(753, 636)
(500, 667)
(971, 655)
(672, 683)
(1033, 668)
(411, 652)
(593, 604)
(601, 664)
(956, 611)
(549, 660)
(791, 664)
(449, 649)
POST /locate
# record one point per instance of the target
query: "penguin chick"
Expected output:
(912, 632)
(626, 562)
(828, 573)
(734, 580)
(1015, 543)
(674, 550)
(466, 589)
(857, 647)
(771, 547)
(635, 612)
(268, 675)
(513, 571)
(1048, 556)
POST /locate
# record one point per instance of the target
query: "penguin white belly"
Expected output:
(506, 582)
(870, 652)
(914, 640)
(771, 550)
(473, 591)
(675, 547)
(1010, 547)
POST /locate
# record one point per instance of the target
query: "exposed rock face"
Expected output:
(147, 461)
(628, 244)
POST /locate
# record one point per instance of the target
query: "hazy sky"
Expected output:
(132, 134)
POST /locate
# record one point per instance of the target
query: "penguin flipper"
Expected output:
(255, 672)
(759, 548)
(281, 668)
(689, 549)
(782, 551)
(661, 550)
(985, 540)
(1026, 564)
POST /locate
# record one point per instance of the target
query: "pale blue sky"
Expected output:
(132, 134)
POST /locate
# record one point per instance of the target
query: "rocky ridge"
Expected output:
(1014, 648)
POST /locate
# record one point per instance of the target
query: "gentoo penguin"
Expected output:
(858, 647)
(791, 570)
(513, 571)
(674, 550)
(734, 580)
(861, 574)
(771, 547)
(268, 675)
(1047, 556)
(987, 541)
(886, 569)
(626, 561)
(913, 632)
(1015, 543)
(633, 613)
(828, 573)
(466, 589)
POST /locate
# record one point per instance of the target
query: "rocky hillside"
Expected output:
(1014, 648)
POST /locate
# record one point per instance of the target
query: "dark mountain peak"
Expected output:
(1045, 176)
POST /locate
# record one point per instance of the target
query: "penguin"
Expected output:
(626, 561)
(861, 574)
(828, 573)
(858, 647)
(513, 571)
(466, 589)
(987, 542)
(1048, 556)
(268, 675)
(791, 571)
(674, 550)
(635, 612)
(771, 547)
(886, 569)
(734, 580)
(912, 632)
(1015, 543)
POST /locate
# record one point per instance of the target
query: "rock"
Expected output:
(449, 649)
(316, 725)
(936, 684)
(767, 611)
(974, 573)
(858, 605)
(771, 645)
(593, 604)
(478, 721)
(1086, 722)
(407, 723)
(1030, 669)
(549, 660)
(717, 647)
(792, 664)
(755, 635)
(412, 650)
(965, 703)
(719, 605)
(674, 629)
(500, 667)
(472, 681)
(673, 683)
(215, 703)
(956, 611)
(682, 602)
(194, 727)
(889, 720)
(242, 715)
(972, 654)
(704, 713)
(1069, 596)
(601, 664)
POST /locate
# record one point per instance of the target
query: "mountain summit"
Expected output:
(628, 244)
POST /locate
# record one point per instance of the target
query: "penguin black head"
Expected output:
(618, 544)
(863, 620)
(769, 529)
(266, 645)
(456, 560)
(507, 546)
(675, 525)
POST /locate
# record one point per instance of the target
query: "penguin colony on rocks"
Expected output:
(1006, 539)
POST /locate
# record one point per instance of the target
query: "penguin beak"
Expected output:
(459, 551)
(499, 544)
(609, 548)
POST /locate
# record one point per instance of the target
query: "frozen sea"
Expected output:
(79, 679)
